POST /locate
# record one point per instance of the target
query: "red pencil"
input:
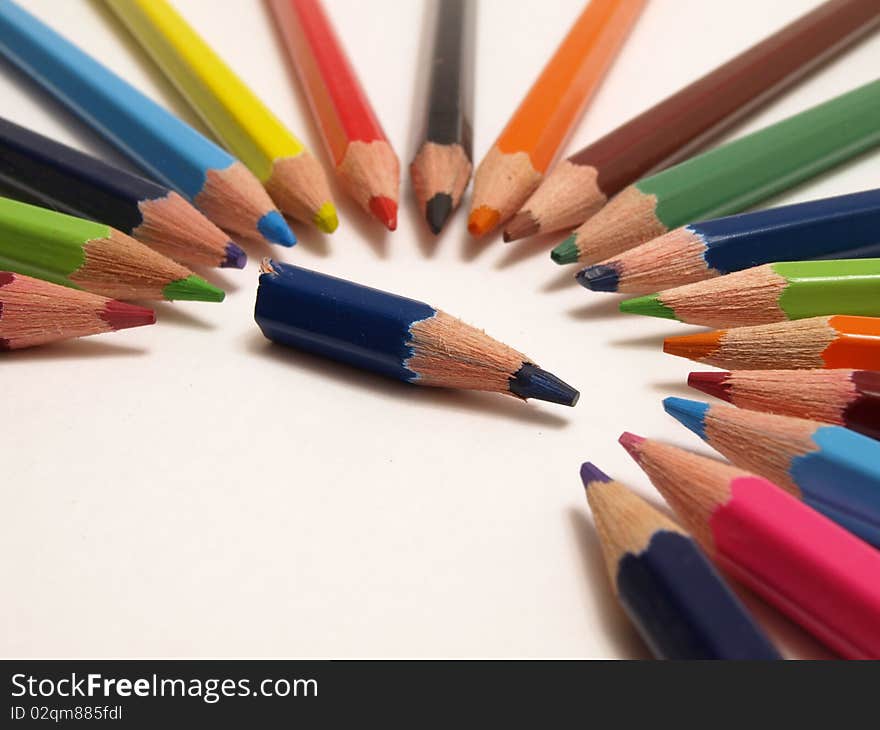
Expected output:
(352, 134)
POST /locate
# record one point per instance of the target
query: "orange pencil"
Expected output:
(515, 165)
(838, 341)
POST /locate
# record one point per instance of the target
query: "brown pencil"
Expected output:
(682, 123)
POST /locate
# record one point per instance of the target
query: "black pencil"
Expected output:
(52, 175)
(442, 166)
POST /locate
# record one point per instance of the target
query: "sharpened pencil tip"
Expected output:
(522, 225)
(385, 210)
(274, 228)
(236, 258)
(326, 218)
(530, 381)
(590, 473)
(121, 315)
(711, 383)
(649, 306)
(693, 347)
(600, 277)
(482, 220)
(631, 443)
(566, 252)
(689, 413)
(437, 211)
(193, 288)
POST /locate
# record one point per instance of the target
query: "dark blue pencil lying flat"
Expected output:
(392, 335)
(677, 601)
(843, 227)
(40, 170)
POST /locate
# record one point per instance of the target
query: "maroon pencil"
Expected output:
(674, 129)
(848, 398)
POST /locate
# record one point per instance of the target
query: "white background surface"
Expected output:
(189, 490)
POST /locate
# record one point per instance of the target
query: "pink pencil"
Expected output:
(811, 569)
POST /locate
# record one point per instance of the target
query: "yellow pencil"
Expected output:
(291, 174)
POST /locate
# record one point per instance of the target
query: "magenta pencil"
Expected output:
(815, 572)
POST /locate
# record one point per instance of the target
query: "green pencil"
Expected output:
(731, 177)
(770, 293)
(81, 254)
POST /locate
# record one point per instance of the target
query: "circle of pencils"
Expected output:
(731, 177)
(848, 398)
(846, 226)
(293, 177)
(679, 603)
(812, 570)
(361, 153)
(92, 256)
(834, 470)
(172, 151)
(770, 293)
(62, 178)
(442, 166)
(818, 342)
(394, 336)
(674, 129)
(515, 164)
(35, 312)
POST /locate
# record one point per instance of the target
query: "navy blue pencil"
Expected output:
(397, 337)
(843, 227)
(677, 601)
(42, 171)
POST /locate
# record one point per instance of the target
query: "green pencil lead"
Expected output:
(193, 288)
(566, 252)
(649, 305)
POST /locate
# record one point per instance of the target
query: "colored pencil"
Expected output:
(64, 179)
(442, 165)
(818, 342)
(732, 177)
(834, 470)
(812, 570)
(82, 254)
(675, 598)
(516, 163)
(848, 398)
(361, 153)
(291, 175)
(770, 293)
(847, 226)
(35, 312)
(170, 150)
(394, 336)
(673, 129)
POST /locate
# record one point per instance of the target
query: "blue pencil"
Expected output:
(394, 336)
(832, 469)
(677, 601)
(846, 226)
(167, 148)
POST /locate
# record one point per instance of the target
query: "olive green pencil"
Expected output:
(732, 177)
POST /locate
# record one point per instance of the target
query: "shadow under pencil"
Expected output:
(83, 347)
(491, 404)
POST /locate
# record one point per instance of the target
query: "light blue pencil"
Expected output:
(163, 145)
(834, 470)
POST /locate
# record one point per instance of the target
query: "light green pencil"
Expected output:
(81, 254)
(770, 293)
